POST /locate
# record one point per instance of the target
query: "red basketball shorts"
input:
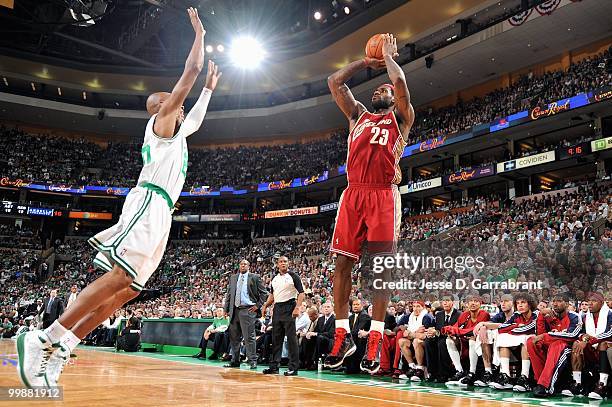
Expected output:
(369, 213)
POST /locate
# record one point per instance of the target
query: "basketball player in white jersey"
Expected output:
(131, 250)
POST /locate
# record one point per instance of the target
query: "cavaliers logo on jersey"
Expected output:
(359, 129)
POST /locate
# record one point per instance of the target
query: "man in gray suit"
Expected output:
(245, 296)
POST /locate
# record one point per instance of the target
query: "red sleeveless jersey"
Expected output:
(375, 146)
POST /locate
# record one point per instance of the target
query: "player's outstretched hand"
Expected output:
(389, 46)
(212, 75)
(374, 63)
(195, 21)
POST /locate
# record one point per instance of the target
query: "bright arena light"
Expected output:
(246, 52)
(209, 48)
(220, 48)
(317, 15)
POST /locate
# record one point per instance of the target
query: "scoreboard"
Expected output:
(574, 151)
(17, 209)
(13, 208)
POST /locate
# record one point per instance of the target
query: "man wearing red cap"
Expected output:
(463, 333)
(591, 348)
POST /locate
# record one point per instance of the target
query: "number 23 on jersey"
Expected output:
(379, 136)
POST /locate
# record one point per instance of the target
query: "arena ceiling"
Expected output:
(465, 63)
(103, 58)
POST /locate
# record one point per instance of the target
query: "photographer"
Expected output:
(129, 340)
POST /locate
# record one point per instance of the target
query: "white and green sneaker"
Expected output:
(58, 360)
(33, 352)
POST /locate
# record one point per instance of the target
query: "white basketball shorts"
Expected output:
(138, 241)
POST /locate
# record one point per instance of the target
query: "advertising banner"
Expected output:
(223, 217)
(328, 207)
(601, 144)
(90, 215)
(311, 210)
(421, 185)
(600, 94)
(68, 189)
(466, 175)
(525, 162)
(40, 211)
(104, 190)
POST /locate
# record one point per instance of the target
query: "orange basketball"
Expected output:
(374, 47)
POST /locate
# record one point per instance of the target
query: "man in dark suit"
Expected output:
(52, 308)
(243, 301)
(359, 322)
(319, 342)
(586, 233)
(306, 361)
(436, 353)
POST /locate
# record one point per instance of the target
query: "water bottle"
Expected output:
(320, 365)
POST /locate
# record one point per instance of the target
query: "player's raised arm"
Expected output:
(166, 118)
(403, 107)
(194, 119)
(342, 94)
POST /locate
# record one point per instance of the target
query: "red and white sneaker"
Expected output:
(371, 360)
(343, 347)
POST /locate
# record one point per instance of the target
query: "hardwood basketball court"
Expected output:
(106, 378)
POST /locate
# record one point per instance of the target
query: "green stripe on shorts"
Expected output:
(132, 222)
(102, 265)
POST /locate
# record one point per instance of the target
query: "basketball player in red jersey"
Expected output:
(370, 207)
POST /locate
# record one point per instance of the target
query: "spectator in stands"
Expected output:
(6, 329)
(436, 352)
(73, 295)
(318, 342)
(359, 324)
(53, 307)
(306, 361)
(217, 333)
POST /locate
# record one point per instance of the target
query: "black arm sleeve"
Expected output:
(297, 283)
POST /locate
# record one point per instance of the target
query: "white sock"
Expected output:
(378, 326)
(419, 367)
(473, 357)
(343, 323)
(454, 354)
(505, 365)
(412, 365)
(577, 377)
(488, 370)
(525, 366)
(56, 331)
(603, 378)
(70, 340)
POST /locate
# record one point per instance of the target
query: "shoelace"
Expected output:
(373, 340)
(339, 340)
(45, 360)
(63, 365)
(65, 359)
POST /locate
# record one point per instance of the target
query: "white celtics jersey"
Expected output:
(164, 161)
